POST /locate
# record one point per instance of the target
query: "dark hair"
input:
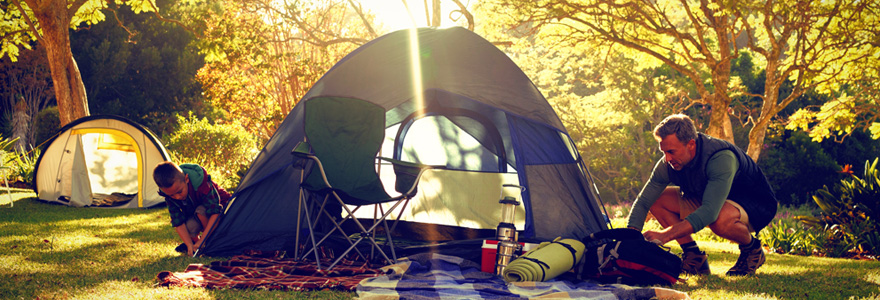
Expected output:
(678, 124)
(167, 173)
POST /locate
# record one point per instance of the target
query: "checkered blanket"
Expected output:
(437, 276)
(269, 271)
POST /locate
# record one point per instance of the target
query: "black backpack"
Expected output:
(624, 256)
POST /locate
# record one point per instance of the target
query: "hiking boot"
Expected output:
(181, 248)
(750, 259)
(695, 263)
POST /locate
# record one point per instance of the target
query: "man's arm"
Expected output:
(720, 169)
(649, 194)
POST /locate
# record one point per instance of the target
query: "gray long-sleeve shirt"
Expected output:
(720, 171)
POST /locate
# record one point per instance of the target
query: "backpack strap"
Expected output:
(544, 266)
(615, 234)
(574, 258)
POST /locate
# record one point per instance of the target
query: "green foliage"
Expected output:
(148, 76)
(850, 210)
(23, 164)
(796, 166)
(87, 13)
(222, 149)
(47, 124)
(7, 154)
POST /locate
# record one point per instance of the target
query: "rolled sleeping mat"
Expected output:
(548, 260)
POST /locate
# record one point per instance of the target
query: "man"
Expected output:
(714, 184)
(194, 201)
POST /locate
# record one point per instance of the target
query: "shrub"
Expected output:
(23, 166)
(224, 150)
(849, 212)
(47, 125)
(796, 167)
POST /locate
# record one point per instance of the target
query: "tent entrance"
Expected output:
(452, 198)
(106, 164)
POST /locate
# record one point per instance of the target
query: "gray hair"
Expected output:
(678, 124)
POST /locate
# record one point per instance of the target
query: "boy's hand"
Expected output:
(189, 250)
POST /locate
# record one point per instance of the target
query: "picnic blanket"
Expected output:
(438, 276)
(269, 271)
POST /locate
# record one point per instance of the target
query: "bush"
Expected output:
(796, 167)
(48, 122)
(850, 211)
(224, 150)
(23, 166)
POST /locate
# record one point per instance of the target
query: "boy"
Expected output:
(194, 201)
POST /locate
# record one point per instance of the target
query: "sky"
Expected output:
(393, 13)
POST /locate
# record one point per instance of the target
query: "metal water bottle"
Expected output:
(506, 232)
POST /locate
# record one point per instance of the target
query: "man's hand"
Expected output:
(189, 250)
(657, 237)
(663, 236)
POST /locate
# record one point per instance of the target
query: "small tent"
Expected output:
(451, 99)
(100, 161)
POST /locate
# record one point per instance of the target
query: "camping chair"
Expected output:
(343, 137)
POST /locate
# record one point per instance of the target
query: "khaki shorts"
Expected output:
(687, 206)
(193, 224)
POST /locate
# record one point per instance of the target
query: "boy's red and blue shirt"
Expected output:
(201, 191)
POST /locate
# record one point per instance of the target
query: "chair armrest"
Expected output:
(302, 150)
(408, 174)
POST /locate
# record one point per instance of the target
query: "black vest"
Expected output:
(750, 188)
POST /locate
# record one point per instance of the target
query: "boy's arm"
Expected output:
(208, 228)
(187, 239)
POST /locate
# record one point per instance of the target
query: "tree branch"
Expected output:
(179, 23)
(28, 20)
(73, 8)
(464, 11)
(360, 11)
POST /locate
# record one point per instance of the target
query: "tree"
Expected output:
(28, 85)
(48, 22)
(142, 68)
(812, 44)
(262, 57)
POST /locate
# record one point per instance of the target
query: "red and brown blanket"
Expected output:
(270, 271)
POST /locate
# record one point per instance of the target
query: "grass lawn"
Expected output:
(57, 252)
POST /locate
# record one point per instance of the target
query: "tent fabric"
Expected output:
(100, 156)
(451, 99)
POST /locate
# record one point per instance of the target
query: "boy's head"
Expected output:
(171, 180)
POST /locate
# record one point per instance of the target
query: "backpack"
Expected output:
(624, 256)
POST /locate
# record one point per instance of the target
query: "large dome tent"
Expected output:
(453, 99)
(100, 161)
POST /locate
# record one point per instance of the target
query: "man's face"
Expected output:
(677, 153)
(178, 190)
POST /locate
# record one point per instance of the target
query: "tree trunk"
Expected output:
(769, 108)
(69, 89)
(719, 120)
(756, 140)
(436, 16)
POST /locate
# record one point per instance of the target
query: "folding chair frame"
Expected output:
(302, 151)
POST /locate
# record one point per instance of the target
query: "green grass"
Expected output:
(57, 252)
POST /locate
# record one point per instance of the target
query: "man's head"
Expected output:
(677, 137)
(171, 180)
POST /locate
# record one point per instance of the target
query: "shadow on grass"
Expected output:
(51, 251)
(791, 277)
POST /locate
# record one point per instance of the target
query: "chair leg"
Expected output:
(373, 228)
(337, 226)
(311, 234)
